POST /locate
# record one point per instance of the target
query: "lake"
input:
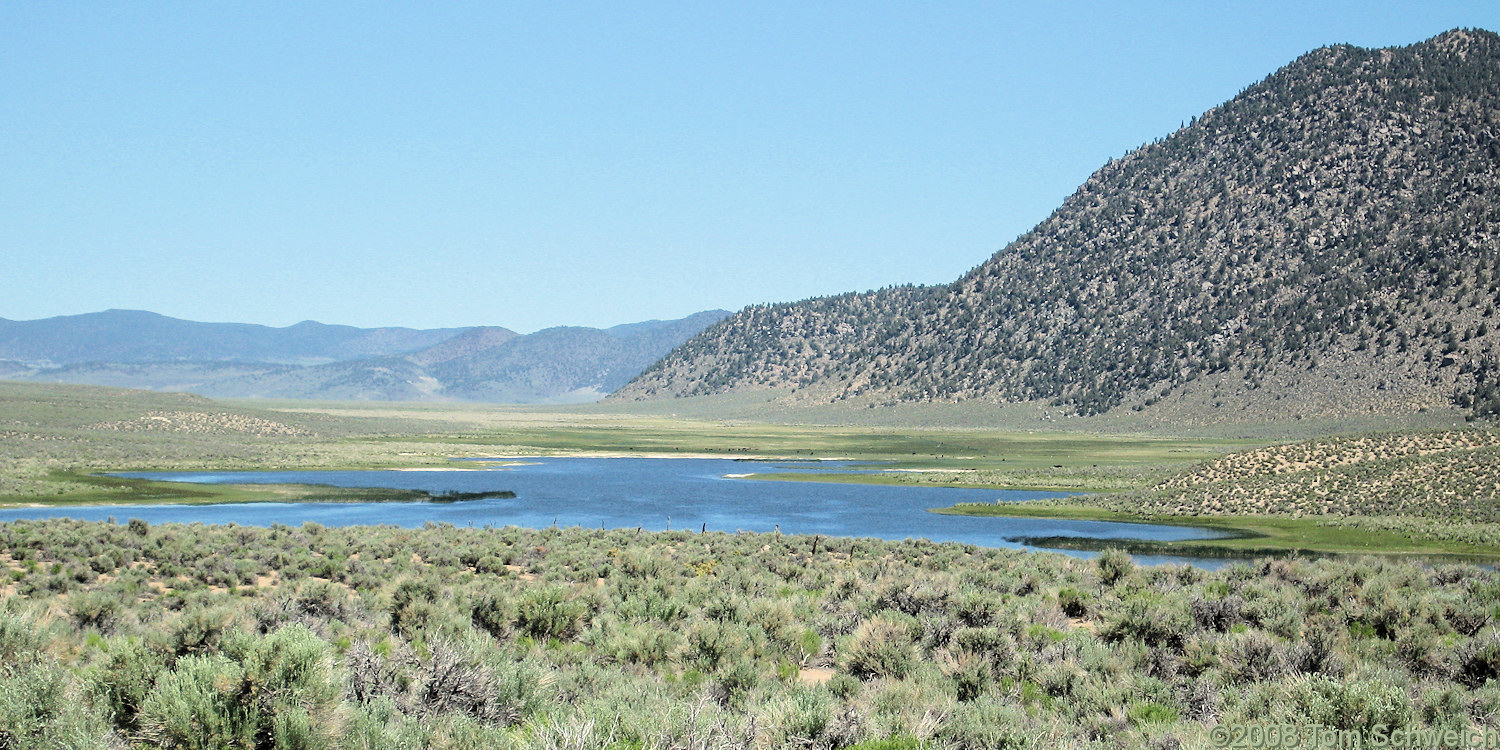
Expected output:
(650, 493)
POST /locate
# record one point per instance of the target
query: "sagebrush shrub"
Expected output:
(550, 613)
(880, 648)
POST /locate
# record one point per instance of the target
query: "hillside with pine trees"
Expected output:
(1327, 242)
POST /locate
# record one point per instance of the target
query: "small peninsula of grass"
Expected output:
(112, 490)
(1249, 536)
(1059, 481)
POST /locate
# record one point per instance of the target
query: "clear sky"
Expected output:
(531, 164)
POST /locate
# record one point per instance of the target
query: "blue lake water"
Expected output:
(654, 494)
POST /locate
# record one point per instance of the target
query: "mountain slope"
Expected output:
(571, 364)
(464, 344)
(139, 336)
(132, 349)
(484, 364)
(1327, 242)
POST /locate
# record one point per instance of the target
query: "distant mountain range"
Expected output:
(138, 349)
(1326, 243)
(140, 336)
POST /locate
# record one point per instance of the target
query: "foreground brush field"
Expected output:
(129, 635)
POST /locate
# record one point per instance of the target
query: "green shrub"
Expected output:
(635, 643)
(1349, 706)
(198, 706)
(800, 718)
(880, 648)
(1114, 565)
(292, 729)
(809, 645)
(1074, 603)
(199, 628)
(291, 667)
(998, 647)
(1444, 708)
(491, 565)
(844, 686)
(1478, 662)
(493, 613)
(1152, 619)
(20, 639)
(737, 679)
(977, 610)
(709, 643)
(282, 686)
(991, 725)
(1147, 712)
(378, 725)
(124, 679)
(42, 706)
(95, 609)
(412, 606)
(972, 674)
(891, 743)
(550, 613)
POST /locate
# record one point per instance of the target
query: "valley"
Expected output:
(1370, 493)
(310, 360)
(1212, 448)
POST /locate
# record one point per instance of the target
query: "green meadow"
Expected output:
(1249, 536)
(54, 438)
(56, 442)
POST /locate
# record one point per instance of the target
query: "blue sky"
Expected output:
(540, 164)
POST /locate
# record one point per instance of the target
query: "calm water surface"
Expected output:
(653, 494)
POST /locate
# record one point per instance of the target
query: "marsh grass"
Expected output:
(1431, 493)
(55, 439)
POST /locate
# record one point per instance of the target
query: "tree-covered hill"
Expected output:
(1324, 243)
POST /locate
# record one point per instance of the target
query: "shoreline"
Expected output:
(1246, 535)
(674, 454)
(1265, 536)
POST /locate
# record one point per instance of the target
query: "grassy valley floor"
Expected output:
(1430, 493)
(1415, 492)
(1248, 536)
(53, 438)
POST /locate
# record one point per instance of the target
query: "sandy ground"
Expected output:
(435, 468)
(814, 675)
(474, 466)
